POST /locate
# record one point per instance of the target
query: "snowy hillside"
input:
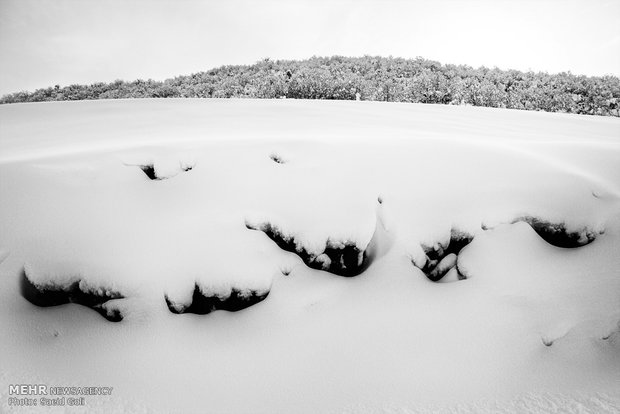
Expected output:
(243, 256)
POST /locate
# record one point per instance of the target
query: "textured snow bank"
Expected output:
(341, 257)
(527, 324)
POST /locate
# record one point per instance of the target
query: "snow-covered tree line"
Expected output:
(370, 78)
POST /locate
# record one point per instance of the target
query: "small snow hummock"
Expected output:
(204, 301)
(70, 289)
(442, 257)
(342, 258)
(559, 234)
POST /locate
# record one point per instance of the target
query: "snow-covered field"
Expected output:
(155, 212)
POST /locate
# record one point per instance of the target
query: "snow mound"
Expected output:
(204, 301)
(343, 258)
(52, 289)
(561, 234)
(442, 256)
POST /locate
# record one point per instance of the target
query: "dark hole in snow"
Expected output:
(615, 331)
(202, 304)
(342, 259)
(557, 235)
(380, 200)
(51, 295)
(149, 170)
(441, 259)
(547, 342)
(277, 159)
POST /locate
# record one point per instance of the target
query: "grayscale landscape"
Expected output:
(311, 255)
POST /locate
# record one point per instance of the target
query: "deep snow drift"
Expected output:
(302, 256)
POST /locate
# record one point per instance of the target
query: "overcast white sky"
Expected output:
(48, 42)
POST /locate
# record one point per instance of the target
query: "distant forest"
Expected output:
(366, 78)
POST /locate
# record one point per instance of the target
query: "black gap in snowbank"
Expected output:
(557, 235)
(441, 259)
(59, 295)
(342, 259)
(276, 158)
(149, 170)
(202, 304)
(547, 342)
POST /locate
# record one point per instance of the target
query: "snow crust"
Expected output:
(532, 326)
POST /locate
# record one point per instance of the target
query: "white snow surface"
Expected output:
(533, 328)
